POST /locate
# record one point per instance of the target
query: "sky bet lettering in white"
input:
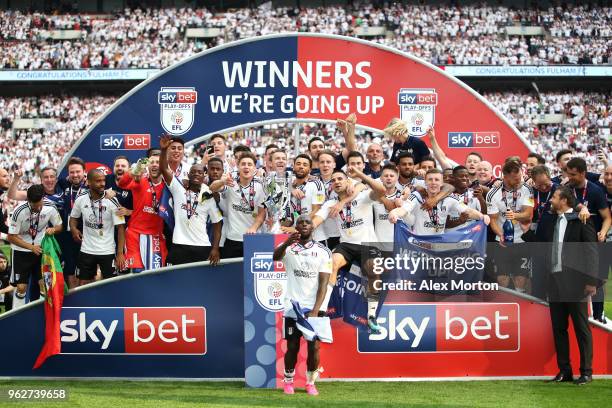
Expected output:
(400, 329)
(324, 74)
(475, 328)
(86, 332)
(162, 331)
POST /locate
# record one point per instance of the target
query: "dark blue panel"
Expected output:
(218, 289)
(140, 112)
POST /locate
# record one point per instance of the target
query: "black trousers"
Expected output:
(232, 249)
(559, 314)
(182, 254)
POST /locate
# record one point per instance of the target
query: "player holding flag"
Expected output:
(309, 266)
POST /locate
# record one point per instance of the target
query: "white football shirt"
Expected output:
(355, 221)
(329, 229)
(415, 182)
(99, 220)
(25, 223)
(499, 200)
(431, 222)
(470, 201)
(384, 229)
(242, 203)
(191, 215)
(303, 264)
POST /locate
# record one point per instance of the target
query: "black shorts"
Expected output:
(25, 264)
(513, 260)
(232, 249)
(357, 253)
(87, 266)
(70, 252)
(182, 254)
(290, 329)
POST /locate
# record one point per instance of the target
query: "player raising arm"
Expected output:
(308, 265)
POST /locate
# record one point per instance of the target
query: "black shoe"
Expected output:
(562, 377)
(583, 379)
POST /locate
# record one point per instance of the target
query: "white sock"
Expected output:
(312, 376)
(372, 306)
(18, 300)
(289, 374)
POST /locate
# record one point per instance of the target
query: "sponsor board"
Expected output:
(177, 109)
(475, 140)
(133, 330)
(444, 327)
(270, 281)
(125, 141)
(418, 109)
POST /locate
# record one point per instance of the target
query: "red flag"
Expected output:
(53, 278)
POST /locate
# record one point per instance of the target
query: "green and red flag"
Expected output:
(54, 288)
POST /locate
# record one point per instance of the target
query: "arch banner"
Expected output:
(299, 78)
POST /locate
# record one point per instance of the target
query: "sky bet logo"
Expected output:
(411, 98)
(269, 281)
(451, 327)
(263, 262)
(133, 330)
(186, 96)
(123, 141)
(482, 140)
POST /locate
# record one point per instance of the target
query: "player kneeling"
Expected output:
(308, 265)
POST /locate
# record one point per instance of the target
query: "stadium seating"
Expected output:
(442, 35)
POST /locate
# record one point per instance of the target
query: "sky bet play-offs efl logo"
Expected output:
(124, 141)
(482, 140)
(133, 330)
(443, 328)
(270, 281)
(418, 109)
(177, 109)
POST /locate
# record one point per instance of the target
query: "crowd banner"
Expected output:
(175, 322)
(472, 71)
(299, 77)
(51, 75)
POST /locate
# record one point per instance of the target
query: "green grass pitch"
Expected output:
(154, 394)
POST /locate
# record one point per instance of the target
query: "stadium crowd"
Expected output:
(442, 35)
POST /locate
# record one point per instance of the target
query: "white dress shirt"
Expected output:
(562, 227)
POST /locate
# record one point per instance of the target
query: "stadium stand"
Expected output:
(443, 35)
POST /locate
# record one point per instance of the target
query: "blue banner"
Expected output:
(177, 322)
(348, 297)
(449, 263)
(166, 212)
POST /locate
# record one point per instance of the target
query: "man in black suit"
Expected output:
(571, 260)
